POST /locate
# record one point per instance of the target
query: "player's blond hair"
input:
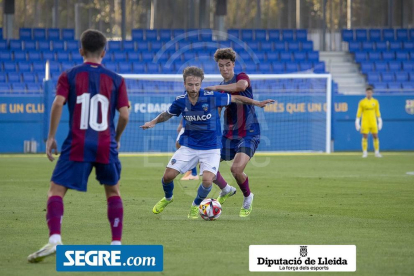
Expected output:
(225, 53)
(193, 71)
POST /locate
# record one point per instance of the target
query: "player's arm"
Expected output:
(246, 100)
(122, 123)
(378, 114)
(180, 126)
(239, 86)
(358, 117)
(164, 116)
(55, 115)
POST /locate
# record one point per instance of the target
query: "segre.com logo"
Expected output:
(109, 258)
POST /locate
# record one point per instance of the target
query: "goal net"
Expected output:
(299, 120)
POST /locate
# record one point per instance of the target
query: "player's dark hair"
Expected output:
(193, 71)
(93, 42)
(369, 88)
(225, 53)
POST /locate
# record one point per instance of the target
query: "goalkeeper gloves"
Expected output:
(357, 124)
(379, 123)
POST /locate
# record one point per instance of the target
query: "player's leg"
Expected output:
(364, 132)
(228, 151)
(376, 144)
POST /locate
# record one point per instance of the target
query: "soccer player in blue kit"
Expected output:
(201, 140)
(241, 134)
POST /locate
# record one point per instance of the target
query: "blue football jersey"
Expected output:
(201, 121)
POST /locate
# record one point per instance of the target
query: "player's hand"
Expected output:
(210, 88)
(118, 145)
(264, 103)
(379, 123)
(147, 125)
(357, 125)
(51, 146)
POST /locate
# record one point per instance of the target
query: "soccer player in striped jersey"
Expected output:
(241, 134)
(368, 108)
(93, 94)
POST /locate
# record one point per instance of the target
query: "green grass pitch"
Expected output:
(299, 199)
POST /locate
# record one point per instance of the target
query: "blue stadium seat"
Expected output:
(111, 65)
(133, 56)
(13, 77)
(178, 33)
(151, 35)
(3, 76)
(1, 33)
(381, 66)
(361, 35)
(25, 34)
(120, 56)
(375, 35)
(388, 56)
(307, 45)
(4, 87)
(128, 45)
(24, 66)
(301, 35)
(293, 46)
(305, 66)
(274, 35)
(260, 35)
(347, 35)
(373, 56)
(165, 34)
(354, 46)
(250, 67)
(58, 45)
(253, 45)
(43, 45)
(114, 45)
(29, 45)
(52, 34)
(313, 56)
(245, 56)
(408, 86)
(3, 45)
(15, 44)
(379, 86)
(381, 46)
(193, 35)
(68, 34)
(408, 66)
(5, 56)
(266, 46)
(388, 35)
(65, 65)
(137, 34)
(246, 34)
(387, 77)
(206, 35)
(39, 34)
(401, 55)
(278, 67)
(394, 65)
(287, 35)
(367, 67)
(373, 77)
(411, 32)
(401, 76)
(402, 34)
(34, 87)
(72, 45)
(260, 56)
(408, 45)
(9, 66)
(361, 56)
(367, 46)
(233, 33)
(18, 87)
(225, 44)
(280, 46)
(265, 68)
(138, 67)
(285, 56)
(125, 67)
(210, 68)
(29, 77)
(184, 44)
(142, 46)
(272, 56)
(62, 56)
(54, 66)
(156, 45)
(189, 55)
(19, 56)
(291, 67)
(395, 45)
(394, 87)
(299, 56)
(39, 67)
(152, 68)
(76, 57)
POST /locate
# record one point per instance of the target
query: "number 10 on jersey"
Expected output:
(90, 109)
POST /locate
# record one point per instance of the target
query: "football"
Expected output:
(209, 209)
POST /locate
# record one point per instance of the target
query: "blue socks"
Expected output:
(194, 171)
(168, 189)
(202, 193)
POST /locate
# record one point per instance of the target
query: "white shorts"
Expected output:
(185, 158)
(179, 134)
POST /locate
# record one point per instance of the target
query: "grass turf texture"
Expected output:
(309, 199)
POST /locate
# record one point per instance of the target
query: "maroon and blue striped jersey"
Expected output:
(93, 94)
(240, 120)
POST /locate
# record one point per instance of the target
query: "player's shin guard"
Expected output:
(54, 214)
(244, 187)
(202, 193)
(376, 144)
(168, 189)
(364, 144)
(220, 181)
(115, 216)
(194, 171)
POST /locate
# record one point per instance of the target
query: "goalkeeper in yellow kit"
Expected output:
(369, 109)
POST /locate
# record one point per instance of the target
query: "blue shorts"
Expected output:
(230, 147)
(74, 175)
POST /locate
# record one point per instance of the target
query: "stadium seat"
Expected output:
(354, 46)
(189, 56)
(62, 56)
(250, 67)
(278, 67)
(259, 55)
(138, 67)
(151, 35)
(3, 45)
(28, 77)
(3, 76)
(52, 34)
(184, 45)
(29, 45)
(280, 46)
(408, 45)
(408, 86)
(401, 76)
(39, 34)
(387, 77)
(319, 67)
(19, 56)
(313, 56)
(142, 46)
(394, 65)
(394, 87)
(15, 44)
(367, 46)
(24, 66)
(265, 68)
(347, 35)
(178, 33)
(206, 35)
(65, 65)
(373, 77)
(307, 45)
(165, 34)
(156, 45)
(402, 34)
(395, 45)
(68, 34)
(375, 35)
(388, 56)
(305, 66)
(128, 45)
(210, 68)
(58, 45)
(361, 56)
(381, 66)
(120, 56)
(76, 57)
(266, 46)
(125, 67)
(388, 35)
(43, 45)
(39, 67)
(287, 35)
(137, 34)
(18, 87)
(411, 33)
(260, 35)
(381, 46)
(114, 45)
(193, 35)
(9, 66)
(274, 35)
(367, 67)
(5, 55)
(301, 35)
(111, 65)
(152, 68)
(293, 46)
(147, 56)
(373, 56)
(285, 56)
(246, 34)
(4, 87)
(233, 33)
(13, 77)
(291, 67)
(72, 45)
(408, 66)
(361, 35)
(272, 56)
(1, 33)
(54, 66)
(299, 56)
(402, 56)
(253, 45)
(25, 34)
(34, 87)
